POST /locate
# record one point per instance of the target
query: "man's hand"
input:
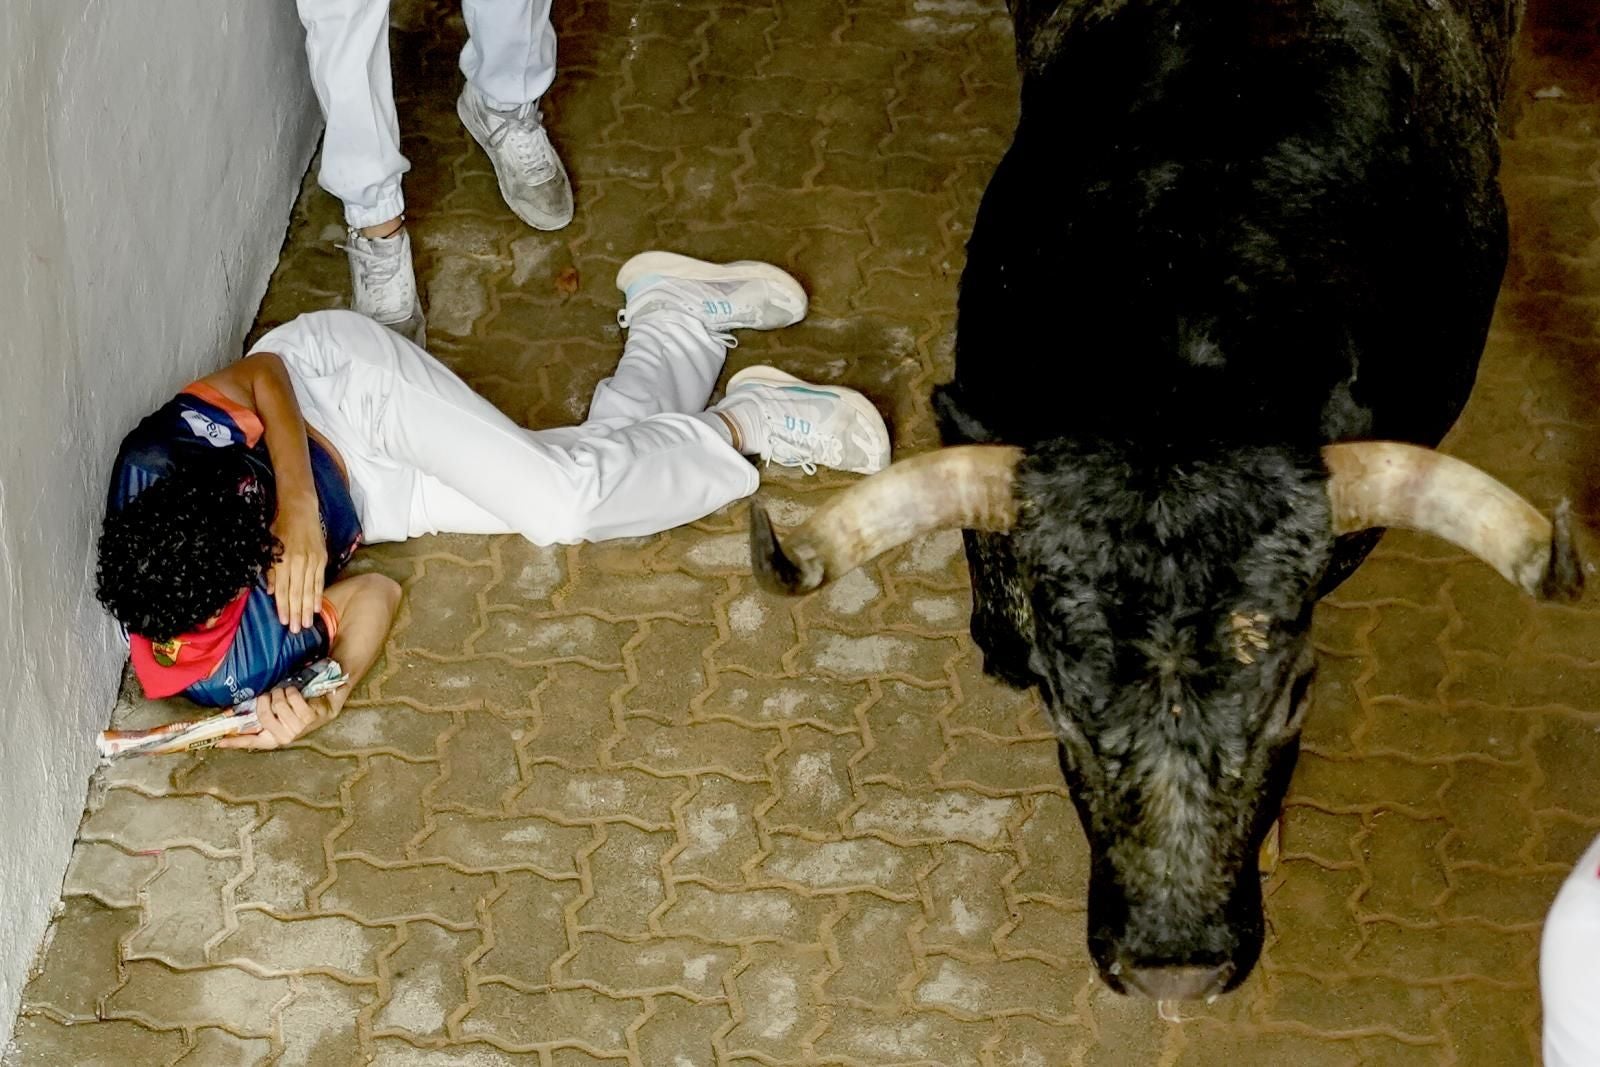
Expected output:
(284, 716)
(295, 581)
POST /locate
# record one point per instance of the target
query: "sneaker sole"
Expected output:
(858, 403)
(547, 225)
(673, 265)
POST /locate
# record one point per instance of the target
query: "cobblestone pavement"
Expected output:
(614, 805)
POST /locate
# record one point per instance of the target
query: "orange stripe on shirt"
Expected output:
(247, 421)
(330, 618)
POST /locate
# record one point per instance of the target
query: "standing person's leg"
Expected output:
(509, 61)
(347, 48)
(1569, 968)
(510, 55)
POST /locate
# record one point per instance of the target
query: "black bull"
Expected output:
(1227, 287)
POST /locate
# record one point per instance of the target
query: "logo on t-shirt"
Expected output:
(213, 431)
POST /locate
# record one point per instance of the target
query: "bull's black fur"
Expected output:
(1225, 234)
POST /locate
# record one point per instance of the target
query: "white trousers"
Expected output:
(426, 454)
(1569, 968)
(510, 58)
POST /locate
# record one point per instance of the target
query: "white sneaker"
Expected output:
(810, 426)
(532, 180)
(725, 296)
(383, 284)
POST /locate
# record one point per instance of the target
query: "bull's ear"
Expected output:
(1386, 483)
(969, 486)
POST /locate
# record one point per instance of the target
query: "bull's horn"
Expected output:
(1385, 483)
(967, 486)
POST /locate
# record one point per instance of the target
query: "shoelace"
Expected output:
(377, 269)
(532, 150)
(785, 448)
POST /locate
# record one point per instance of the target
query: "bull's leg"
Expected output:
(1001, 616)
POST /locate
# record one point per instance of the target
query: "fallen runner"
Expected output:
(235, 506)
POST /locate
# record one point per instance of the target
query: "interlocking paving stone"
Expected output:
(678, 1033)
(377, 894)
(239, 778)
(856, 863)
(744, 915)
(719, 834)
(615, 805)
(108, 874)
(873, 943)
(138, 823)
(385, 809)
(522, 1020)
(905, 1037)
(160, 997)
(425, 980)
(329, 943)
(591, 796)
(680, 964)
(287, 857)
(625, 870)
(316, 1023)
(218, 1048)
(391, 1052)
(987, 987)
(42, 1040)
(528, 921)
(187, 908)
(776, 1007)
(82, 960)
(479, 843)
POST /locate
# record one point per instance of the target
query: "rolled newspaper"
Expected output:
(313, 680)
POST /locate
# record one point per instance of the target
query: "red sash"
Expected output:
(168, 667)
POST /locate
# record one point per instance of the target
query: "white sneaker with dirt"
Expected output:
(743, 295)
(532, 180)
(810, 426)
(383, 284)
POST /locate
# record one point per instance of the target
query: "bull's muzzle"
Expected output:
(1182, 982)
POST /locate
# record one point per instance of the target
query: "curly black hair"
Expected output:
(185, 546)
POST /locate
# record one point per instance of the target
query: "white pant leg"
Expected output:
(1569, 968)
(347, 46)
(670, 363)
(510, 55)
(405, 422)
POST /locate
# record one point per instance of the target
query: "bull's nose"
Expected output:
(1177, 981)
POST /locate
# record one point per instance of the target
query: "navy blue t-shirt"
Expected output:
(263, 652)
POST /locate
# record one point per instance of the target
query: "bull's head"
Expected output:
(1163, 610)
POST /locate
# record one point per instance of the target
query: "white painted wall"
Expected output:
(150, 152)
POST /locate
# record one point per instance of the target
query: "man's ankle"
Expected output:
(384, 229)
(743, 418)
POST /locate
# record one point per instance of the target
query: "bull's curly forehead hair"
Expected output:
(184, 547)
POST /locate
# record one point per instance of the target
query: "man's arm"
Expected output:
(365, 605)
(260, 382)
